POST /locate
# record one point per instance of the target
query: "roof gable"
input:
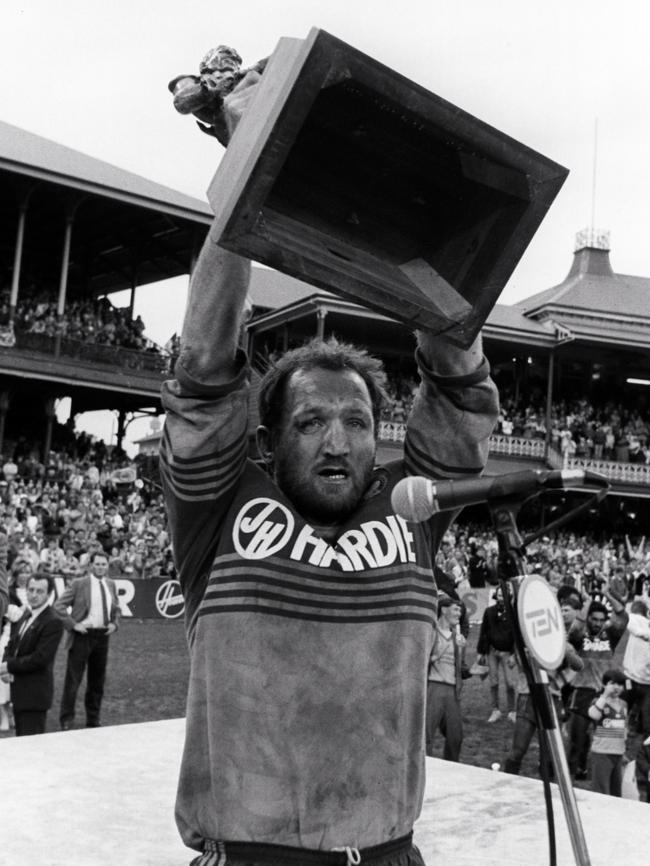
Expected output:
(591, 286)
(25, 153)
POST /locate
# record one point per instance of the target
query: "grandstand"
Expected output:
(74, 230)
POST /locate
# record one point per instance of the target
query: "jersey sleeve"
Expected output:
(202, 456)
(448, 430)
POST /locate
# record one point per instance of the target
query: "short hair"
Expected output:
(445, 600)
(639, 607)
(325, 355)
(565, 592)
(43, 575)
(597, 607)
(571, 600)
(614, 675)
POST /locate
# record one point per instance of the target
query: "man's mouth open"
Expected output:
(334, 474)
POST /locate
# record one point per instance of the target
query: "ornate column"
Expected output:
(18, 253)
(65, 266)
(549, 402)
(322, 315)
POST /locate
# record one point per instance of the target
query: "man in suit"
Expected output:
(91, 613)
(29, 658)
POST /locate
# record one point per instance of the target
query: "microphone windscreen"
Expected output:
(412, 499)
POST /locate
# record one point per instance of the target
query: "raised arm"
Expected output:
(213, 315)
(218, 288)
(454, 412)
(445, 359)
(205, 444)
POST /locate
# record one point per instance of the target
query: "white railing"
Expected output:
(392, 431)
(518, 446)
(628, 473)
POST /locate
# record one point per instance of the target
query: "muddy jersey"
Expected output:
(305, 711)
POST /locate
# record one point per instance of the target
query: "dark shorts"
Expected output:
(398, 852)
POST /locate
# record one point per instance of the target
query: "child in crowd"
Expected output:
(609, 712)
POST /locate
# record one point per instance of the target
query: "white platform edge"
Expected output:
(106, 796)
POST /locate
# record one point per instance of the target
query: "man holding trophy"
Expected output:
(310, 605)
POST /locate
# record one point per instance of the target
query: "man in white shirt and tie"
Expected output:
(90, 611)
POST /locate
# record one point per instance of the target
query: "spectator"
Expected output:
(479, 572)
(94, 615)
(445, 681)
(609, 712)
(496, 647)
(597, 637)
(636, 662)
(571, 603)
(526, 717)
(29, 658)
(52, 558)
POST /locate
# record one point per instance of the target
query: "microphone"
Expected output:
(416, 498)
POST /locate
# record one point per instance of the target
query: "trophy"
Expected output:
(349, 176)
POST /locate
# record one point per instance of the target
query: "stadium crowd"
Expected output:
(56, 516)
(579, 428)
(582, 429)
(94, 321)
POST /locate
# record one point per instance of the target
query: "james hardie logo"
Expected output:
(262, 528)
(169, 600)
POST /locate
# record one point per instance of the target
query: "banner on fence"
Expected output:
(145, 599)
(160, 598)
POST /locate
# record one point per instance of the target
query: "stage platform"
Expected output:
(105, 797)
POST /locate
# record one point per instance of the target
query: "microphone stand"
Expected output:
(512, 568)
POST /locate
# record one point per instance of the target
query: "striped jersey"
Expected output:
(305, 709)
(611, 730)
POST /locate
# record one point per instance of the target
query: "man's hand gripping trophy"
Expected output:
(219, 94)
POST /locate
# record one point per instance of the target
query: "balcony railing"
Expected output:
(391, 431)
(624, 473)
(96, 353)
(518, 446)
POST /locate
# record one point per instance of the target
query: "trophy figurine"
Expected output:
(202, 95)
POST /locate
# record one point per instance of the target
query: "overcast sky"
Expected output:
(94, 76)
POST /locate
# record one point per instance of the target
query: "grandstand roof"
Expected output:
(592, 305)
(595, 303)
(25, 153)
(278, 298)
(271, 290)
(127, 229)
(592, 285)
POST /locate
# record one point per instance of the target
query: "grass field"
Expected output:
(147, 681)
